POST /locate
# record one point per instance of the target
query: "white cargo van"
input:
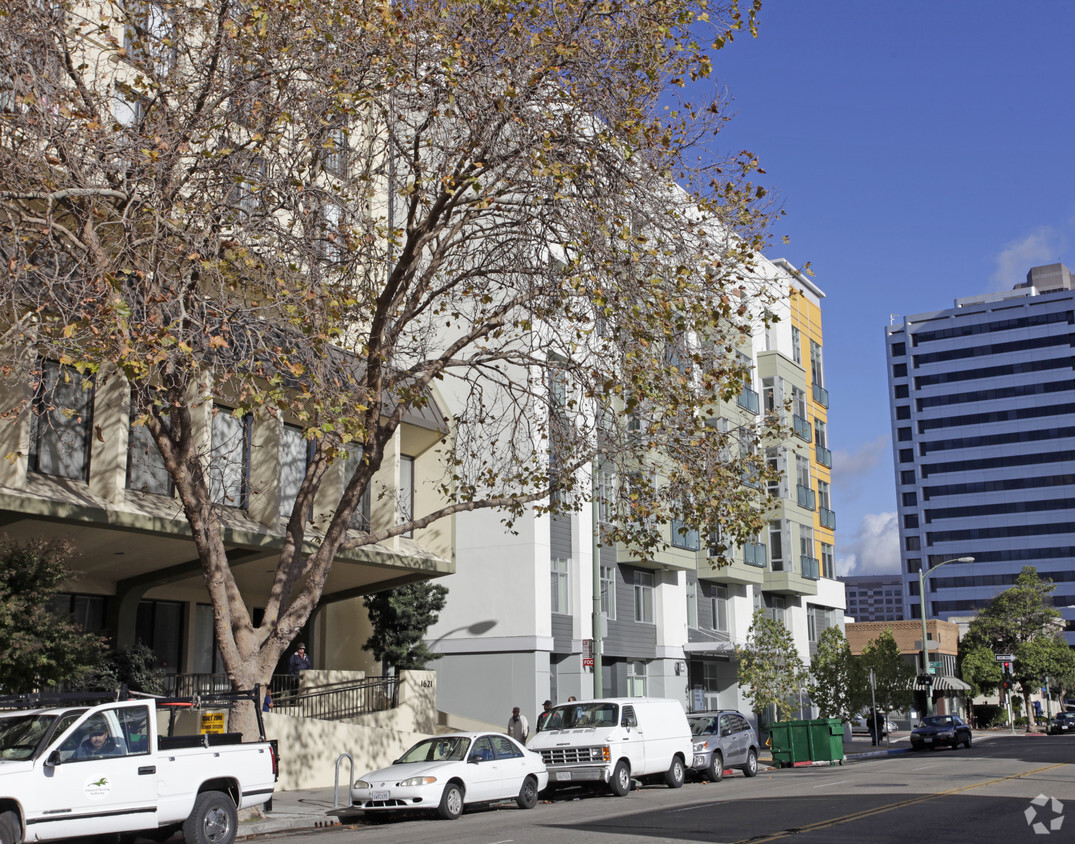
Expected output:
(613, 740)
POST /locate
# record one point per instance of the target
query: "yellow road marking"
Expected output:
(865, 813)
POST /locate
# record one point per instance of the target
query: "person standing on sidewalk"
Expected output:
(518, 728)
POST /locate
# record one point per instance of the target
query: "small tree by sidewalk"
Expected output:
(893, 675)
(836, 686)
(771, 669)
(400, 618)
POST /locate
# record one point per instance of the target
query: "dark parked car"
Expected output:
(940, 731)
(1063, 723)
(722, 740)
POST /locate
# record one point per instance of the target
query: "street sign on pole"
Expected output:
(1005, 658)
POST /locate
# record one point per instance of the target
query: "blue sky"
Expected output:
(922, 151)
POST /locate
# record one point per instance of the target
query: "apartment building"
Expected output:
(983, 432)
(82, 471)
(874, 597)
(518, 627)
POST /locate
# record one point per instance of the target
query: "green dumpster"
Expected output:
(817, 740)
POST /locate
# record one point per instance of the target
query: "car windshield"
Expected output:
(703, 725)
(439, 749)
(21, 734)
(570, 716)
(938, 721)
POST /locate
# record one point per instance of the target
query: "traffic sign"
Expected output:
(1005, 658)
(935, 666)
(587, 662)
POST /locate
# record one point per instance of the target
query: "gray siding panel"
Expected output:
(561, 633)
(627, 637)
(560, 536)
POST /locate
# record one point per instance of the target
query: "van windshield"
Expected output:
(572, 716)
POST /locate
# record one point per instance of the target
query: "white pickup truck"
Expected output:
(82, 771)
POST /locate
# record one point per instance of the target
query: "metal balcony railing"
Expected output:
(810, 567)
(805, 496)
(821, 395)
(827, 517)
(824, 456)
(748, 400)
(802, 427)
(755, 554)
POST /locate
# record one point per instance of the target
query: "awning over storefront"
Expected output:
(942, 684)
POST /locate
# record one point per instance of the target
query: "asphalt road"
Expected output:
(977, 795)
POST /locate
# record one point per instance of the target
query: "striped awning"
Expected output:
(943, 683)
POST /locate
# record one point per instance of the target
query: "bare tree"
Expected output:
(334, 206)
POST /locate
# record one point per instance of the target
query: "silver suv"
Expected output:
(722, 740)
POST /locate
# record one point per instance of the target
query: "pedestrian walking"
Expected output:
(518, 728)
(546, 710)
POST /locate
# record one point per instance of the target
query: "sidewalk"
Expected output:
(308, 809)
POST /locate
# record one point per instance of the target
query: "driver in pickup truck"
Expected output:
(98, 743)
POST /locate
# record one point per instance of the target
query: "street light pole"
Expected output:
(922, 575)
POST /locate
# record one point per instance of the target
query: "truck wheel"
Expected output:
(675, 775)
(451, 802)
(751, 767)
(213, 820)
(621, 779)
(10, 828)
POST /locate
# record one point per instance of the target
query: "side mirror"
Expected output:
(727, 731)
(54, 759)
(474, 759)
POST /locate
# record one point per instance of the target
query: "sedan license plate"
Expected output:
(562, 776)
(928, 739)
(380, 795)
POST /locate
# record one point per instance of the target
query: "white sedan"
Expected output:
(449, 772)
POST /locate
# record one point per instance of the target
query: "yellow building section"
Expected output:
(807, 334)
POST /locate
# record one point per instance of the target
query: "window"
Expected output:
(906, 455)
(560, 602)
(606, 495)
(817, 371)
(899, 370)
(776, 544)
(824, 495)
(683, 536)
(772, 390)
(910, 499)
(778, 609)
(796, 345)
(903, 411)
(296, 452)
(145, 466)
(901, 391)
(229, 468)
(912, 543)
(774, 460)
(636, 679)
(720, 608)
(899, 350)
(147, 37)
(360, 518)
(333, 236)
(907, 476)
(338, 156)
(821, 433)
(903, 435)
(692, 604)
(910, 521)
(405, 509)
(828, 561)
(770, 331)
(61, 423)
(806, 552)
(643, 586)
(608, 591)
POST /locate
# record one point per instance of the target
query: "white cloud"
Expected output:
(873, 549)
(851, 468)
(1042, 246)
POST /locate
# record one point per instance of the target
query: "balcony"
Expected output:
(732, 570)
(827, 518)
(789, 583)
(755, 554)
(821, 395)
(802, 428)
(824, 456)
(748, 400)
(805, 496)
(811, 568)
